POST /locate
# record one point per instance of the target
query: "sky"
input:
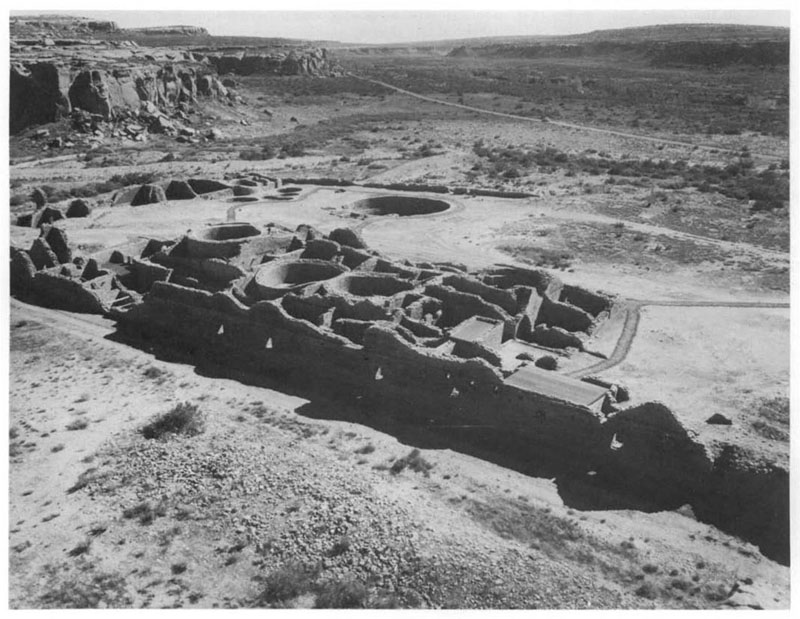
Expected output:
(382, 26)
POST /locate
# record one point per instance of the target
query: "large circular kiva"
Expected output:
(370, 285)
(227, 232)
(404, 206)
(281, 276)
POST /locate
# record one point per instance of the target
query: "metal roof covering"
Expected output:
(558, 386)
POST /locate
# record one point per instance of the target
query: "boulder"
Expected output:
(308, 233)
(25, 220)
(42, 256)
(57, 240)
(719, 419)
(180, 190)
(117, 257)
(47, 215)
(78, 208)
(39, 197)
(21, 270)
(295, 244)
(349, 237)
(148, 194)
(91, 270)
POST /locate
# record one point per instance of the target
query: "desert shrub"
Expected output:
(145, 512)
(366, 449)
(342, 594)
(185, 418)
(286, 583)
(414, 461)
(647, 590)
(154, 372)
(78, 424)
(85, 590)
(773, 419)
(547, 362)
(18, 199)
(341, 546)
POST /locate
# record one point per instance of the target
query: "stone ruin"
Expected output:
(428, 342)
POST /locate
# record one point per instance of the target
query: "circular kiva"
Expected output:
(276, 278)
(227, 232)
(404, 206)
(370, 285)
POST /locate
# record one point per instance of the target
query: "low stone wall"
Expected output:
(565, 316)
(505, 299)
(591, 302)
(147, 273)
(458, 306)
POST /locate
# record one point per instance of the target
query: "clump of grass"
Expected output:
(647, 590)
(80, 549)
(78, 424)
(547, 362)
(341, 546)
(286, 584)
(414, 461)
(348, 593)
(84, 479)
(366, 449)
(773, 419)
(154, 372)
(145, 512)
(178, 568)
(184, 419)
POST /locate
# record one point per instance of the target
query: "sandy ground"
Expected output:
(711, 360)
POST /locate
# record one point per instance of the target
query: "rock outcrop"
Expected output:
(148, 194)
(45, 91)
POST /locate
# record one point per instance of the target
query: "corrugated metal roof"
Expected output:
(558, 386)
(474, 329)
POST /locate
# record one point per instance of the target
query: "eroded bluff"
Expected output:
(43, 92)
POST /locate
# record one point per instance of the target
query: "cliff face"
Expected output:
(99, 71)
(42, 92)
(315, 62)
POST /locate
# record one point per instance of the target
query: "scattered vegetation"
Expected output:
(547, 362)
(773, 419)
(85, 589)
(78, 424)
(184, 419)
(414, 461)
(348, 593)
(286, 583)
(145, 512)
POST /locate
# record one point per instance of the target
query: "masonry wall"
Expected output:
(415, 381)
(52, 290)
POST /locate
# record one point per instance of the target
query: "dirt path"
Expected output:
(566, 125)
